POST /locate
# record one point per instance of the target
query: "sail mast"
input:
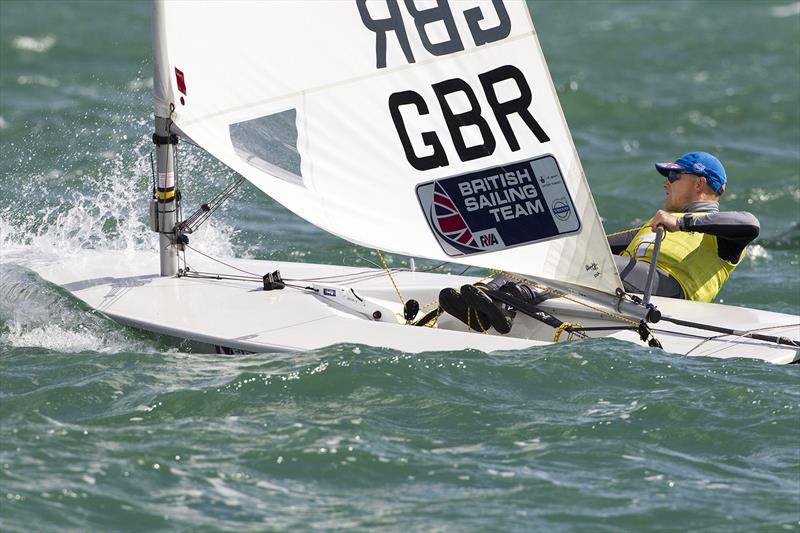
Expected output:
(166, 207)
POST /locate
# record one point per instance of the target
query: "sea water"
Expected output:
(107, 428)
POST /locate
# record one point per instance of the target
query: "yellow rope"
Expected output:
(434, 323)
(560, 329)
(627, 230)
(402, 301)
(431, 323)
(430, 304)
(562, 295)
(520, 280)
(389, 272)
(483, 329)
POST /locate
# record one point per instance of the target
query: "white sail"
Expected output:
(427, 129)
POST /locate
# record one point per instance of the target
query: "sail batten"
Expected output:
(428, 130)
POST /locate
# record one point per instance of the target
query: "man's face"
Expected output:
(681, 188)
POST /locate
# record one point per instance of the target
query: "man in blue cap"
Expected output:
(703, 244)
(700, 250)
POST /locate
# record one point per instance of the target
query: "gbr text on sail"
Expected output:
(436, 28)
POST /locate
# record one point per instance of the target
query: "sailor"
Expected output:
(701, 247)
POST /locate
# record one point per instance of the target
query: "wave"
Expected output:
(97, 197)
(280, 441)
(436, 384)
(39, 315)
(786, 240)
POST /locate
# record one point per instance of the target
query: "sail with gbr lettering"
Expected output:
(430, 129)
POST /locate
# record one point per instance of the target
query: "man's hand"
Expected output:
(662, 218)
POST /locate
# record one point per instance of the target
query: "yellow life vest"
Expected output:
(688, 256)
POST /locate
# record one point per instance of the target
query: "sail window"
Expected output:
(269, 143)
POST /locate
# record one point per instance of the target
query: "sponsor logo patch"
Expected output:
(499, 207)
(328, 292)
(561, 210)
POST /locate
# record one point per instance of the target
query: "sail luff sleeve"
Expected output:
(162, 90)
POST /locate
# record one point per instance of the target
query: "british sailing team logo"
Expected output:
(449, 221)
(499, 207)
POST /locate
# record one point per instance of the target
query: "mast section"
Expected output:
(164, 208)
(167, 197)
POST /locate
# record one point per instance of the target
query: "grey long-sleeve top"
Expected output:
(734, 229)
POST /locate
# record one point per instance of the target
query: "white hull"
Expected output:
(241, 316)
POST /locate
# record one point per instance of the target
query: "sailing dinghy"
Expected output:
(429, 129)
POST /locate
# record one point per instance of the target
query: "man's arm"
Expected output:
(620, 241)
(734, 229)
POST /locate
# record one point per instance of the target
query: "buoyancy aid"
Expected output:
(689, 257)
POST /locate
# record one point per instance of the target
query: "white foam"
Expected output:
(38, 80)
(787, 10)
(100, 206)
(53, 337)
(34, 44)
(106, 210)
(140, 84)
(757, 252)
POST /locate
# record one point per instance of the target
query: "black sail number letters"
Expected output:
(389, 19)
(471, 118)
(438, 157)
(441, 13)
(423, 17)
(519, 105)
(489, 35)
(383, 26)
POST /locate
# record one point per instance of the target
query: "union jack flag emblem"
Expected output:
(449, 221)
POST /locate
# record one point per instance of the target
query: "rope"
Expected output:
(477, 318)
(744, 334)
(433, 322)
(205, 211)
(483, 329)
(627, 230)
(389, 273)
(221, 262)
(563, 327)
(430, 318)
(562, 295)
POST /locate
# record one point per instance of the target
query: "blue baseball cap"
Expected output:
(701, 164)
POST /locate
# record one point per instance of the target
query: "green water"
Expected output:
(107, 428)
